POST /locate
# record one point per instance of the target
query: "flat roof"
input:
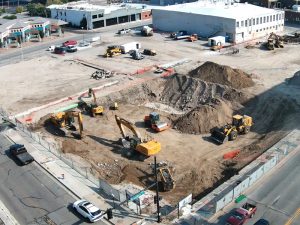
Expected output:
(85, 6)
(221, 9)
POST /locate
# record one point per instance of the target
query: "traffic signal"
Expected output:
(109, 214)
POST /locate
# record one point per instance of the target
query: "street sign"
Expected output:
(136, 196)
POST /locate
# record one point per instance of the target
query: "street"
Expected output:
(277, 196)
(31, 195)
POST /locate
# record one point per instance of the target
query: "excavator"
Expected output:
(153, 121)
(66, 120)
(145, 147)
(274, 41)
(92, 108)
(240, 125)
(165, 176)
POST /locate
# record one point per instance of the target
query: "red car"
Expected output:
(70, 43)
(242, 215)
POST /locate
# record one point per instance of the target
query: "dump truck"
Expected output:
(147, 31)
(242, 214)
(136, 142)
(240, 125)
(20, 153)
(153, 120)
(165, 177)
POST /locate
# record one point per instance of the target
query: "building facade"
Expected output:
(87, 16)
(237, 22)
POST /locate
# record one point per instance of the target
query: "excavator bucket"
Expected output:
(218, 136)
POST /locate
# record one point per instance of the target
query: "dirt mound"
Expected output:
(220, 74)
(295, 80)
(203, 118)
(186, 93)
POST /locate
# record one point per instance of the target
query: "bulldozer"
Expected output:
(153, 120)
(136, 142)
(92, 107)
(66, 120)
(112, 51)
(240, 125)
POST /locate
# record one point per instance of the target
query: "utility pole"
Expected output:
(157, 194)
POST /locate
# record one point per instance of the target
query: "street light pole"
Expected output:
(82, 34)
(157, 194)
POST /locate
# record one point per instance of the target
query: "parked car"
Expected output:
(242, 214)
(60, 50)
(71, 49)
(124, 31)
(70, 42)
(262, 222)
(88, 210)
(21, 154)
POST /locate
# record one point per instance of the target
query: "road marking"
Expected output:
(295, 215)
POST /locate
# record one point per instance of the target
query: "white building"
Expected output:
(95, 15)
(238, 22)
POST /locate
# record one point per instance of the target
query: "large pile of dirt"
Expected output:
(225, 75)
(203, 118)
(295, 80)
(186, 93)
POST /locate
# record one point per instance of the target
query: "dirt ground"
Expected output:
(191, 105)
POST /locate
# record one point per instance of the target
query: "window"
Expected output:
(277, 17)
(246, 23)
(253, 21)
(273, 17)
(242, 23)
(267, 19)
(261, 20)
(257, 20)
(100, 15)
(256, 31)
(249, 22)
(264, 19)
(65, 14)
(94, 16)
(270, 18)
(237, 24)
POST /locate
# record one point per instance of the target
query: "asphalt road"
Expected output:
(40, 48)
(277, 196)
(30, 194)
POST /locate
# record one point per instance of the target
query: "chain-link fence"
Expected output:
(86, 171)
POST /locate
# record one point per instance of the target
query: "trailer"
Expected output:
(126, 48)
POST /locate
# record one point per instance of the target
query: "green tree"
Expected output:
(19, 9)
(11, 17)
(37, 9)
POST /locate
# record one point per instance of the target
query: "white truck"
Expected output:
(126, 48)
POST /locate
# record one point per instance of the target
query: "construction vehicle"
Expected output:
(112, 51)
(114, 106)
(66, 120)
(193, 37)
(149, 52)
(92, 107)
(145, 147)
(240, 125)
(153, 121)
(147, 31)
(135, 54)
(274, 41)
(164, 175)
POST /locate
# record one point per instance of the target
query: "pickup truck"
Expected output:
(242, 215)
(21, 154)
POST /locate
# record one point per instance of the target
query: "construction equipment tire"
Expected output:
(232, 135)
(246, 129)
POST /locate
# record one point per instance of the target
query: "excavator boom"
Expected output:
(122, 122)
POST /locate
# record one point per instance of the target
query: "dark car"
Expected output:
(70, 43)
(71, 49)
(262, 222)
(60, 50)
(21, 154)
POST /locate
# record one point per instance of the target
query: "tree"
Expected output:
(19, 9)
(11, 17)
(83, 23)
(42, 34)
(37, 9)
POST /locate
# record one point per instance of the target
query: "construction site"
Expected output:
(173, 105)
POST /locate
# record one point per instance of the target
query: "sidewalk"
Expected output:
(74, 182)
(5, 217)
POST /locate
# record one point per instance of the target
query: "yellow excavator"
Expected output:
(147, 148)
(165, 176)
(66, 120)
(240, 125)
(274, 40)
(92, 107)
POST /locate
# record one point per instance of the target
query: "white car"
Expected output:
(88, 210)
(51, 48)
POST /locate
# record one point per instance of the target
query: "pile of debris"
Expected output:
(220, 74)
(295, 38)
(102, 74)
